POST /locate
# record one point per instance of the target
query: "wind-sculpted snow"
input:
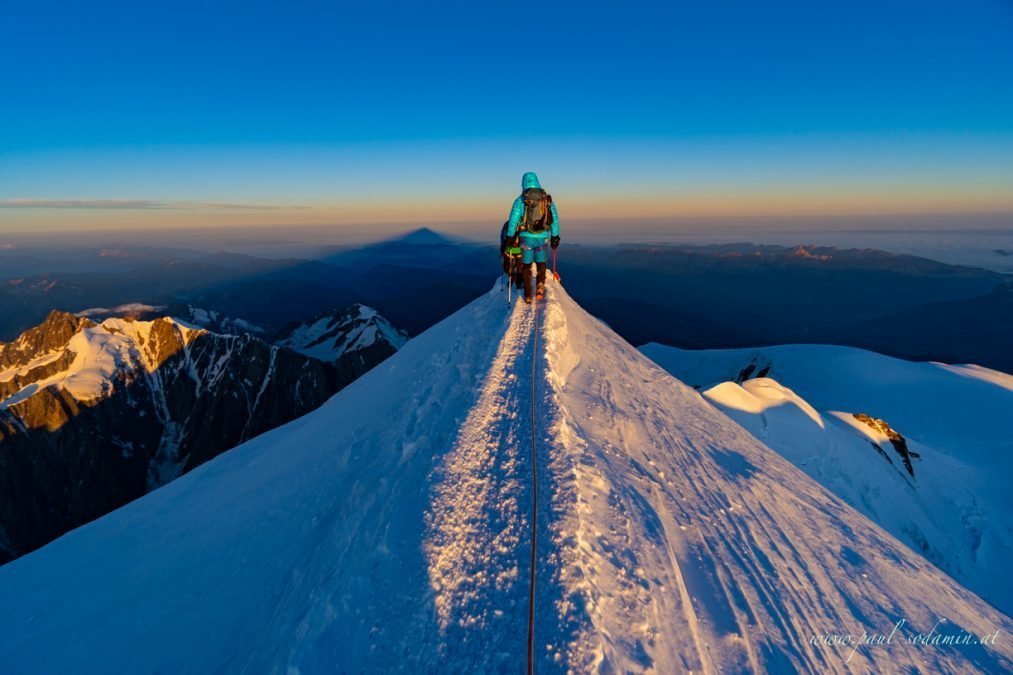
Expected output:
(390, 531)
(686, 545)
(923, 449)
(478, 515)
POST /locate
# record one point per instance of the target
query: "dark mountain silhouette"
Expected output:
(973, 330)
(743, 295)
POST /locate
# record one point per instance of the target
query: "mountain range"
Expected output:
(743, 295)
(514, 476)
(96, 414)
(692, 297)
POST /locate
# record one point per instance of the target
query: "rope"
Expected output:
(534, 508)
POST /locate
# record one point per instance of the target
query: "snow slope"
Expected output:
(952, 507)
(389, 531)
(335, 334)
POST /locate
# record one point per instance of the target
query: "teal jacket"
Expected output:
(532, 239)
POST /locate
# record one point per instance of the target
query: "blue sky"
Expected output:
(355, 110)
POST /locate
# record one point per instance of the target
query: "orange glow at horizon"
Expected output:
(677, 204)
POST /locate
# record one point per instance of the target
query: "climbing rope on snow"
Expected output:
(534, 504)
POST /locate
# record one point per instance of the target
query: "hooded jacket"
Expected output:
(531, 239)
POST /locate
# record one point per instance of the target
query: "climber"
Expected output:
(534, 224)
(510, 253)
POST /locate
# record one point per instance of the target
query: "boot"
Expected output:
(527, 281)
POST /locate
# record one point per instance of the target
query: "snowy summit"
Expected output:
(332, 335)
(391, 530)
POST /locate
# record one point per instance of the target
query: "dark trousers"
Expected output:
(540, 277)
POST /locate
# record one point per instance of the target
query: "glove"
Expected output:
(554, 242)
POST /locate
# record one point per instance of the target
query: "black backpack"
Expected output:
(537, 210)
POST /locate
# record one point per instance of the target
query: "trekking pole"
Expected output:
(555, 274)
(510, 281)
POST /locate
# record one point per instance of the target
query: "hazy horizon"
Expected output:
(980, 240)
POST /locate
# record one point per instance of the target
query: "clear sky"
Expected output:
(171, 114)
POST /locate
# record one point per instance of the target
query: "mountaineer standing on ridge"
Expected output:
(510, 253)
(534, 221)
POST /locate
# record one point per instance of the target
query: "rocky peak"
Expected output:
(104, 412)
(93, 415)
(809, 253)
(52, 334)
(336, 334)
(898, 442)
(164, 339)
(755, 369)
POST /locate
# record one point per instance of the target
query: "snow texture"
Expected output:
(389, 531)
(953, 507)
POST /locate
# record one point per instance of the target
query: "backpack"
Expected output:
(537, 210)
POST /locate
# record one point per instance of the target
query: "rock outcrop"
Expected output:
(95, 415)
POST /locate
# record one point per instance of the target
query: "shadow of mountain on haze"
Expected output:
(414, 281)
(698, 297)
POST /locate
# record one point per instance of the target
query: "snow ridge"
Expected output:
(477, 519)
(688, 545)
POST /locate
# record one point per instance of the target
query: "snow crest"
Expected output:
(686, 545)
(477, 519)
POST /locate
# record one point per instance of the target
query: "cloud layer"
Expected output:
(142, 204)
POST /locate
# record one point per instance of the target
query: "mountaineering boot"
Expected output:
(527, 300)
(540, 291)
